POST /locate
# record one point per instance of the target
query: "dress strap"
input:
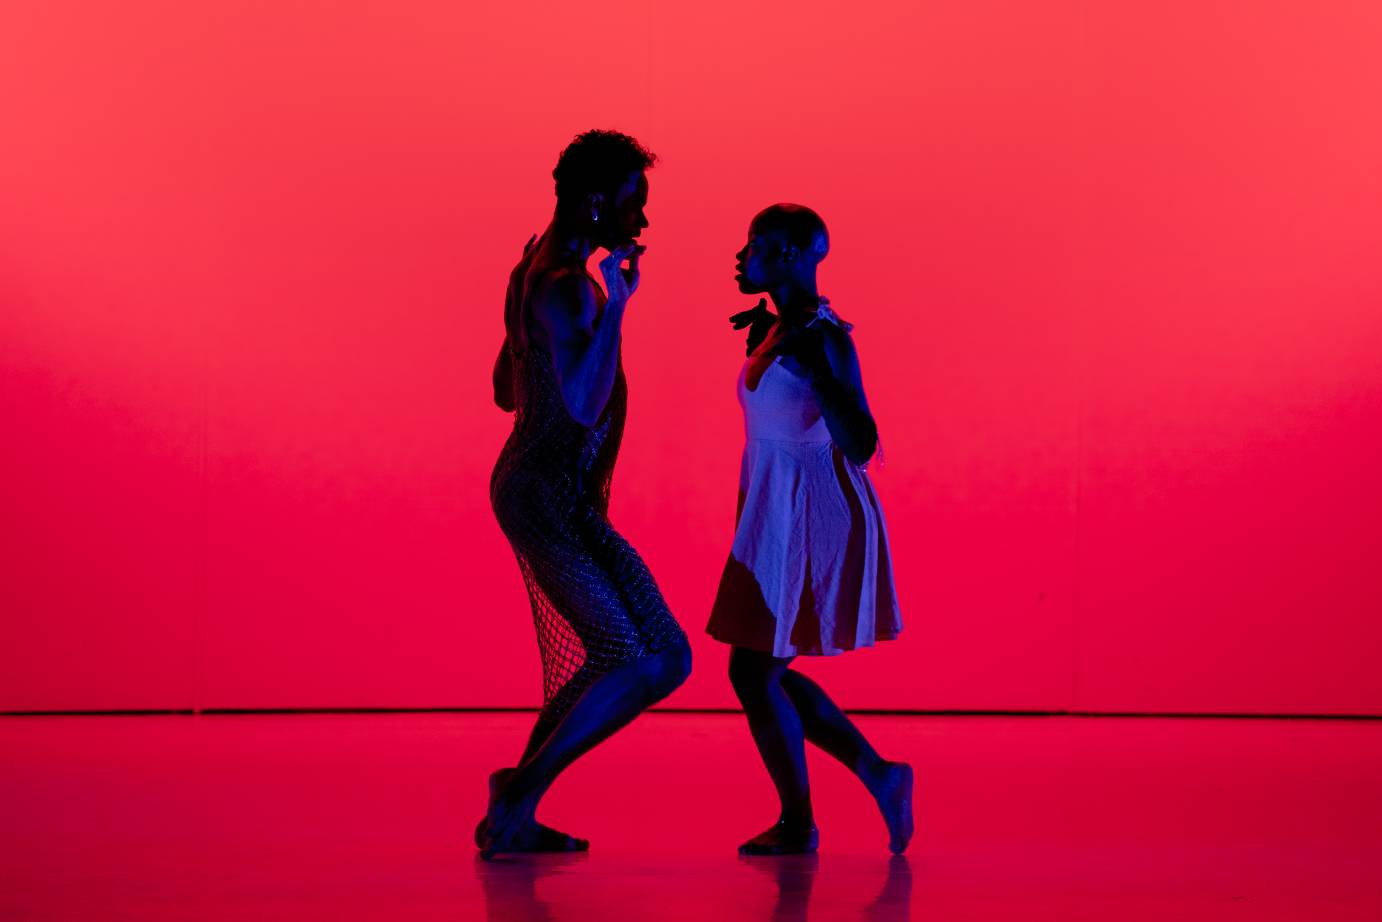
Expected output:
(825, 312)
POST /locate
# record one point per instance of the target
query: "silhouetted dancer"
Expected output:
(809, 572)
(609, 645)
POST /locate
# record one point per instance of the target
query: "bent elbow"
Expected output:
(503, 390)
(585, 408)
(859, 456)
(860, 450)
(584, 415)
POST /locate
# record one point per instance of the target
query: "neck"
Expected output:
(568, 242)
(796, 302)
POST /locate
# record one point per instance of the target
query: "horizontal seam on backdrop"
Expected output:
(868, 712)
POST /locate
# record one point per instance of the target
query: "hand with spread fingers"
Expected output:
(759, 320)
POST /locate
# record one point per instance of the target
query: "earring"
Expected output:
(594, 216)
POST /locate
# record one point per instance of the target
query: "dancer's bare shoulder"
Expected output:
(842, 356)
(565, 301)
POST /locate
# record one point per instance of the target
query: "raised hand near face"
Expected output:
(621, 283)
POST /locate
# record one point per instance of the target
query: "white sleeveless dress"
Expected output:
(809, 572)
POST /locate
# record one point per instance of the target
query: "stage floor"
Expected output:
(369, 817)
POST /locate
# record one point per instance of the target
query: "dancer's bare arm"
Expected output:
(584, 352)
(827, 354)
(840, 391)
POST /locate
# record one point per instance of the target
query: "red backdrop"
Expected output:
(1113, 268)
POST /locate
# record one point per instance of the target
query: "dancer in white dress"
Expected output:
(809, 571)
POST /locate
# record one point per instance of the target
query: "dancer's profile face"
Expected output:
(623, 219)
(760, 265)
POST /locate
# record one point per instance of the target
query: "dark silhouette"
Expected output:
(809, 572)
(610, 647)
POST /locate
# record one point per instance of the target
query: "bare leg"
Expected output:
(543, 726)
(611, 703)
(543, 838)
(828, 727)
(777, 731)
(536, 837)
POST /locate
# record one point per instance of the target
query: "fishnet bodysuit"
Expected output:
(595, 604)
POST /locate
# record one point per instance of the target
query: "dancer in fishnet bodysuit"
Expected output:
(610, 647)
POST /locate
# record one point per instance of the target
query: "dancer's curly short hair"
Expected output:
(597, 161)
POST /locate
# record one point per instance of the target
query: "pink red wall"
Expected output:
(1114, 270)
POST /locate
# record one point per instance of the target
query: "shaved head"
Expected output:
(798, 226)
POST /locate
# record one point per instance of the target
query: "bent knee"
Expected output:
(668, 669)
(677, 664)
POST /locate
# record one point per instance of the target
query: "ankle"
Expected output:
(518, 788)
(799, 817)
(872, 770)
